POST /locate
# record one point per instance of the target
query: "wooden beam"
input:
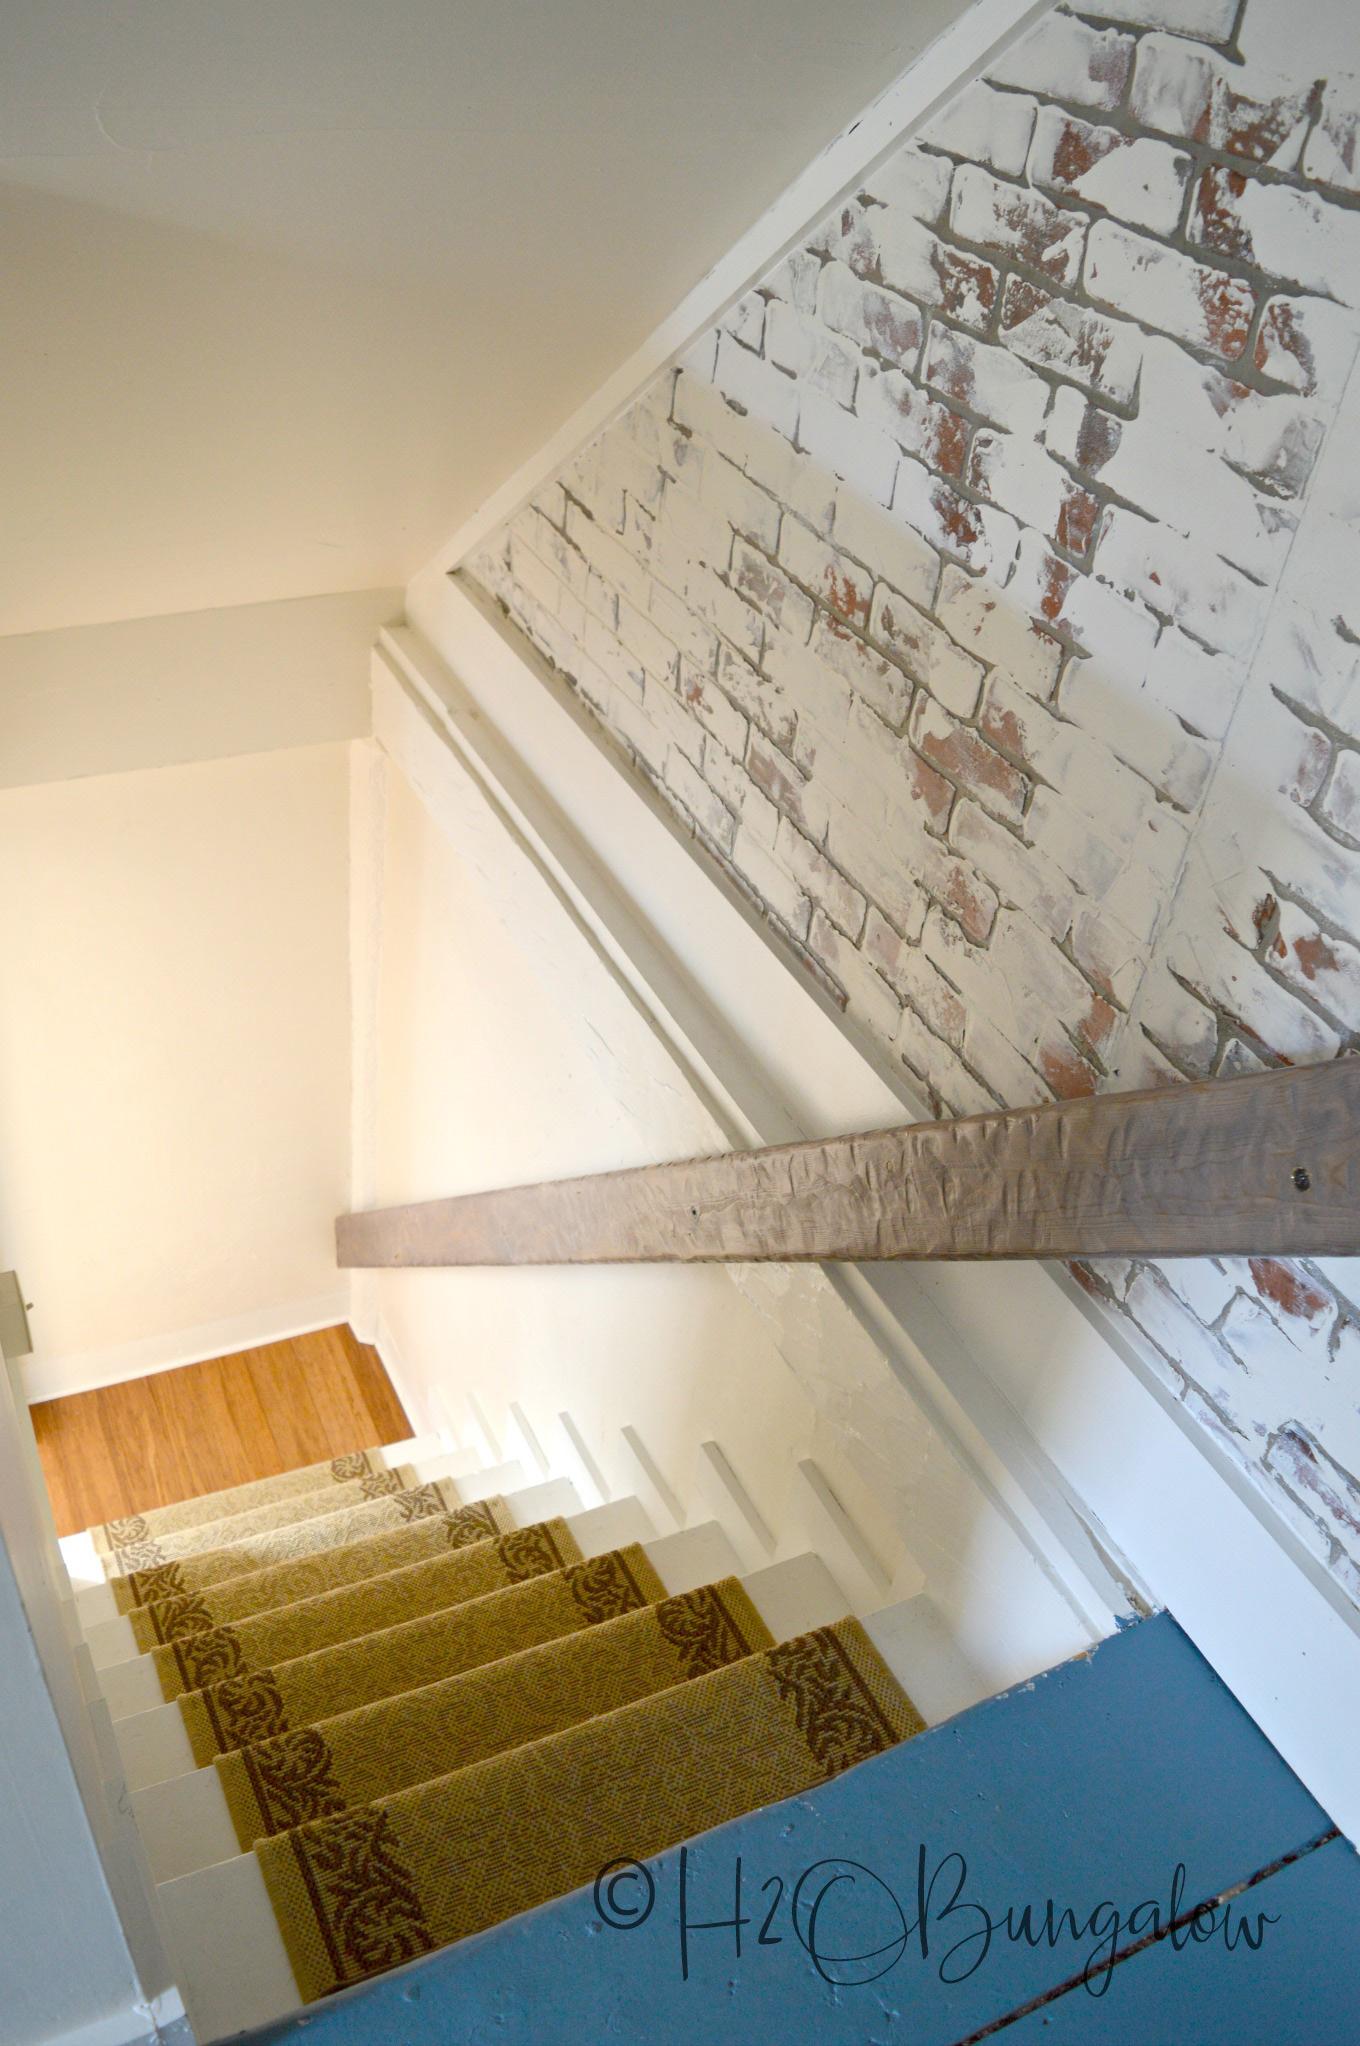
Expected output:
(1266, 1164)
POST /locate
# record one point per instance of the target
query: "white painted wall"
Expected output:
(519, 1035)
(1031, 871)
(288, 289)
(484, 1079)
(194, 685)
(174, 1058)
(63, 1961)
(1014, 1380)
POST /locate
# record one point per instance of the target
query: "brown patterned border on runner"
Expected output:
(422, 1502)
(184, 1613)
(208, 1658)
(293, 1779)
(368, 1909)
(699, 1627)
(380, 1484)
(356, 1465)
(144, 1587)
(833, 1708)
(604, 1587)
(245, 1710)
(468, 1524)
(131, 1545)
(529, 1552)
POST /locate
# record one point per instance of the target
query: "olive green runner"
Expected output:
(258, 1520)
(245, 1710)
(283, 1584)
(377, 1885)
(285, 1545)
(163, 1520)
(421, 1735)
(348, 1612)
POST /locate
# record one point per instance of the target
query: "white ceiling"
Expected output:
(287, 286)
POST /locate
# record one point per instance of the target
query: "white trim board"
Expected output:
(980, 33)
(367, 847)
(50, 1378)
(1022, 1384)
(120, 1983)
(416, 1404)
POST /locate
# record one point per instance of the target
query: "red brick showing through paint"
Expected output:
(983, 594)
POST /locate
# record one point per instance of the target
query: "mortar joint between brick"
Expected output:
(1304, 997)
(1105, 994)
(1316, 720)
(1213, 156)
(1282, 891)
(1172, 1057)
(954, 1052)
(1232, 1025)
(1138, 31)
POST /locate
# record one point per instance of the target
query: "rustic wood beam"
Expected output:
(1266, 1164)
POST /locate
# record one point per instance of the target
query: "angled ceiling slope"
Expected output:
(290, 290)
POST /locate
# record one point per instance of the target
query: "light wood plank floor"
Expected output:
(155, 1440)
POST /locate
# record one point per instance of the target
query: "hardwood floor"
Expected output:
(155, 1440)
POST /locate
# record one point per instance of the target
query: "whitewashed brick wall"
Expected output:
(984, 592)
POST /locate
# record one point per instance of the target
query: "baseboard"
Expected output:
(49, 1378)
(416, 1404)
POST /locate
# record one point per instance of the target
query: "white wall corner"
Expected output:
(425, 1409)
(158, 2021)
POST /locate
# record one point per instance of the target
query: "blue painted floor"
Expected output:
(909, 1900)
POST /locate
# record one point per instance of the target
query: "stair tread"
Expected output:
(375, 1605)
(186, 1514)
(222, 1927)
(115, 1647)
(183, 1816)
(732, 1744)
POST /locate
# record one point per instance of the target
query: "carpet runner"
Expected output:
(381, 1883)
(283, 1584)
(260, 1519)
(425, 1720)
(316, 1771)
(539, 1603)
(194, 1661)
(303, 1538)
(163, 1520)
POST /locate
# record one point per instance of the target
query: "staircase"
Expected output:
(150, 1596)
